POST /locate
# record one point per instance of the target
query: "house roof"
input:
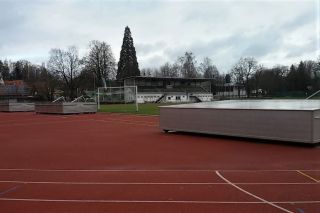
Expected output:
(15, 82)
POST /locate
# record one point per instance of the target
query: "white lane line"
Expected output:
(269, 170)
(106, 170)
(144, 183)
(27, 122)
(109, 183)
(297, 202)
(9, 190)
(144, 170)
(252, 195)
(152, 201)
(308, 176)
(41, 123)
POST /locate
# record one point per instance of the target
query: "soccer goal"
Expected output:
(118, 95)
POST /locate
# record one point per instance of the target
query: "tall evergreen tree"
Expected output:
(128, 65)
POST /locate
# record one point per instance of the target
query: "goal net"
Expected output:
(117, 95)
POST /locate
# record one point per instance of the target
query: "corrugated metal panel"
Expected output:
(316, 126)
(66, 108)
(286, 125)
(16, 107)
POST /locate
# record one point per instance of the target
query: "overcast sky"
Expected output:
(274, 32)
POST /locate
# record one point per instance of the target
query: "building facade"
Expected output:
(172, 90)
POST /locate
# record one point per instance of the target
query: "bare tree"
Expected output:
(165, 70)
(66, 64)
(188, 65)
(101, 62)
(168, 70)
(243, 70)
(316, 73)
(208, 69)
(147, 72)
(174, 70)
(4, 70)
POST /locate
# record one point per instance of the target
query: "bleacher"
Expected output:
(166, 84)
(156, 89)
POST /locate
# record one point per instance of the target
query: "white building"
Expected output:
(172, 90)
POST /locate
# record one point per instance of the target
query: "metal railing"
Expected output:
(314, 94)
(60, 98)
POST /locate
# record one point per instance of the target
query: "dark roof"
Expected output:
(169, 78)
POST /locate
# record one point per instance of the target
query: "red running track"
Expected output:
(124, 163)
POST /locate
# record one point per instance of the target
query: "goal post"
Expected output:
(118, 95)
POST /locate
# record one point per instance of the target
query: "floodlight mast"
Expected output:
(98, 101)
(137, 107)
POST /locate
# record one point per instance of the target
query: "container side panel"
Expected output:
(50, 108)
(21, 107)
(266, 124)
(4, 107)
(70, 108)
(316, 126)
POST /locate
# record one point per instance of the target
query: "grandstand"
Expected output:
(173, 90)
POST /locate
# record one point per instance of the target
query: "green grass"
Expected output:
(145, 109)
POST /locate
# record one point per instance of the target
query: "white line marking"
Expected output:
(143, 170)
(108, 183)
(152, 201)
(144, 183)
(270, 170)
(40, 123)
(9, 190)
(252, 195)
(106, 170)
(308, 176)
(25, 120)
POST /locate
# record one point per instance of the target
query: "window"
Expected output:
(178, 98)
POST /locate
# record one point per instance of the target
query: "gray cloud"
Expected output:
(149, 48)
(298, 51)
(278, 31)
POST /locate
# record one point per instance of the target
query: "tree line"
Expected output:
(298, 80)
(67, 71)
(185, 67)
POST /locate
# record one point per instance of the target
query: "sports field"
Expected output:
(143, 109)
(109, 162)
